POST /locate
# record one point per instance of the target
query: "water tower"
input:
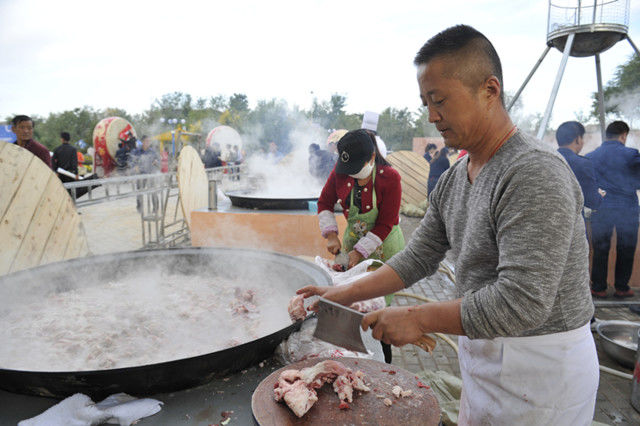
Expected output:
(581, 28)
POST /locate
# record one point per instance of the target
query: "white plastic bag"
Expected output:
(302, 345)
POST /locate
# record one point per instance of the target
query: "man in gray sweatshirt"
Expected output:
(509, 215)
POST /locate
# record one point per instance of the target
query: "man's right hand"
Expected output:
(339, 295)
(333, 243)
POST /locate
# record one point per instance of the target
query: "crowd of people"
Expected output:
(609, 178)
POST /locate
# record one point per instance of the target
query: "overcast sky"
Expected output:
(58, 55)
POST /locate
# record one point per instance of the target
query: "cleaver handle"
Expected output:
(426, 343)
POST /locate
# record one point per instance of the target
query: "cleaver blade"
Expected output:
(339, 326)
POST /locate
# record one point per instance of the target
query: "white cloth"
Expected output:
(539, 380)
(80, 410)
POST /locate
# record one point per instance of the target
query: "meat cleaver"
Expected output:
(340, 326)
(342, 259)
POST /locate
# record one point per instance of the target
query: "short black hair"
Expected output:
(568, 131)
(312, 147)
(20, 118)
(477, 56)
(430, 146)
(616, 129)
(65, 136)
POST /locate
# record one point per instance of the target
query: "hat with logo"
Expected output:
(355, 148)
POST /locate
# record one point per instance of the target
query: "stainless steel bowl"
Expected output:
(620, 340)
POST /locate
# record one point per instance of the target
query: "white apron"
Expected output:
(538, 380)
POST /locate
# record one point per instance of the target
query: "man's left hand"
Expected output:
(396, 326)
(354, 258)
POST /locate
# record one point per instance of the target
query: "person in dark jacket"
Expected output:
(618, 173)
(439, 165)
(66, 157)
(570, 138)
(145, 159)
(211, 157)
(429, 152)
(22, 126)
(321, 162)
(123, 157)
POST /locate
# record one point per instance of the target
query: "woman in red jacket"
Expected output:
(369, 191)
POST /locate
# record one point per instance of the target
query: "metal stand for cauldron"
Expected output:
(586, 28)
(157, 200)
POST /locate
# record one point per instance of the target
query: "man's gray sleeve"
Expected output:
(426, 249)
(535, 211)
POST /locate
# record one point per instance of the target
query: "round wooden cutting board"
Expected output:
(192, 183)
(38, 221)
(367, 408)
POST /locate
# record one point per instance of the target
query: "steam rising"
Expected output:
(288, 176)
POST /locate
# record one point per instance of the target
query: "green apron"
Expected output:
(358, 224)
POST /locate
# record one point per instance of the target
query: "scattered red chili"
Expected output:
(422, 385)
(344, 406)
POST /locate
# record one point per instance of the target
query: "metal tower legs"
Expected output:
(526, 81)
(600, 96)
(556, 86)
(633, 45)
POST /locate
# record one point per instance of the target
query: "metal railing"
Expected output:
(576, 13)
(157, 200)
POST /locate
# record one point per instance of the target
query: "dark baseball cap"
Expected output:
(354, 150)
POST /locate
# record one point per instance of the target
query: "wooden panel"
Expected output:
(21, 209)
(12, 169)
(56, 246)
(294, 234)
(32, 247)
(192, 183)
(72, 241)
(36, 223)
(414, 171)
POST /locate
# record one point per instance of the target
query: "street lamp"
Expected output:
(173, 122)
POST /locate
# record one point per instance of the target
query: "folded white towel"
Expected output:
(80, 410)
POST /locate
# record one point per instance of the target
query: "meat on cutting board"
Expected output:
(298, 387)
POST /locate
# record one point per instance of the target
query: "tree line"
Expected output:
(276, 120)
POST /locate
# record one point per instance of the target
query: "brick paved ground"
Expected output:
(612, 405)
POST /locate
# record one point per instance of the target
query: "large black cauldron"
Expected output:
(282, 273)
(249, 200)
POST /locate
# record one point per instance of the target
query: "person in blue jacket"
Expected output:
(438, 165)
(618, 173)
(570, 137)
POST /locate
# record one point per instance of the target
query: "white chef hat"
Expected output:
(370, 121)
